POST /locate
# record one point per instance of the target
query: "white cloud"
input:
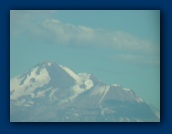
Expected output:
(28, 21)
(41, 26)
(67, 33)
(82, 35)
(137, 58)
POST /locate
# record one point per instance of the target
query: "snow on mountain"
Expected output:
(31, 81)
(52, 92)
(81, 79)
(71, 73)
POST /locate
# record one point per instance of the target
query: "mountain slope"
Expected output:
(54, 93)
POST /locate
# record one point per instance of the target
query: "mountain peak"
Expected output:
(47, 63)
(52, 92)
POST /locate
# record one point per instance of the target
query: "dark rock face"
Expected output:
(65, 98)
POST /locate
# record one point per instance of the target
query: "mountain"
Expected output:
(54, 93)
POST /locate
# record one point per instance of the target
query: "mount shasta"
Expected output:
(54, 93)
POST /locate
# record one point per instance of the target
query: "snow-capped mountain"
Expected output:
(54, 93)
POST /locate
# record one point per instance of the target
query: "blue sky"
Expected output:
(118, 46)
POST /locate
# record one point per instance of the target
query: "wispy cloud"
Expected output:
(82, 35)
(136, 58)
(28, 21)
(40, 25)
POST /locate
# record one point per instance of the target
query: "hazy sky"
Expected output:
(117, 46)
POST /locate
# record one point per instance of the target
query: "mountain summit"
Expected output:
(54, 93)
